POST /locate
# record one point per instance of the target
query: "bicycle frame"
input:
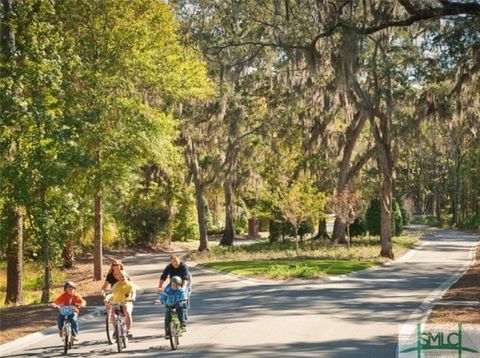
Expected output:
(66, 311)
(120, 325)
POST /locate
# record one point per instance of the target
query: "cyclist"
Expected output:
(174, 295)
(69, 298)
(113, 276)
(124, 292)
(175, 268)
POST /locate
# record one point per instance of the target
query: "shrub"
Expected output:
(358, 227)
(241, 224)
(471, 222)
(373, 218)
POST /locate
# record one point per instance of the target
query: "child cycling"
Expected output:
(124, 292)
(69, 298)
(174, 295)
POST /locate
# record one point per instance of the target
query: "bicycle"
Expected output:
(67, 335)
(174, 327)
(120, 326)
(109, 327)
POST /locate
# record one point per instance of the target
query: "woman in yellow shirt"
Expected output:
(124, 292)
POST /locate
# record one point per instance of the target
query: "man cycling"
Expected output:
(175, 268)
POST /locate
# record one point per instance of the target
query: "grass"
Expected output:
(364, 248)
(279, 260)
(32, 281)
(287, 269)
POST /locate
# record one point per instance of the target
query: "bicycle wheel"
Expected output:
(173, 335)
(66, 336)
(124, 334)
(119, 334)
(110, 328)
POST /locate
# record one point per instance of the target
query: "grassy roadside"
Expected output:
(32, 282)
(316, 258)
(288, 269)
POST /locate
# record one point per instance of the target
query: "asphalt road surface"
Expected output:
(353, 316)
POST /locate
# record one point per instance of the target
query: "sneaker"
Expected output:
(60, 333)
(75, 338)
(167, 336)
(129, 334)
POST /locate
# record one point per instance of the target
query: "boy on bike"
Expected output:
(124, 292)
(174, 295)
(69, 298)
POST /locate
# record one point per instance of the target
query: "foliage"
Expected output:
(372, 218)
(358, 227)
(186, 224)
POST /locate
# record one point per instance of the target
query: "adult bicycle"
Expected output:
(109, 325)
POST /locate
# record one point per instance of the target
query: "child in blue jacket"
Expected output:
(174, 295)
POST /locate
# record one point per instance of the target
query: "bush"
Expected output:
(358, 227)
(471, 222)
(216, 231)
(279, 228)
(306, 227)
(373, 218)
(397, 222)
(241, 224)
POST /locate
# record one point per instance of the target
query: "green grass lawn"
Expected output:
(279, 260)
(290, 268)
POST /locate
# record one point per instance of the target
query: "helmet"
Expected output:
(176, 279)
(69, 284)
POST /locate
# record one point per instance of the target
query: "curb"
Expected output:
(37, 336)
(423, 311)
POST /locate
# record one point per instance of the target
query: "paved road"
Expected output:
(357, 316)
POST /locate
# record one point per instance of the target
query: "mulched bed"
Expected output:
(467, 288)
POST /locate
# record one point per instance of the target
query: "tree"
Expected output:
(132, 71)
(346, 206)
(300, 202)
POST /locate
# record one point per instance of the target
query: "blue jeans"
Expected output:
(181, 311)
(73, 319)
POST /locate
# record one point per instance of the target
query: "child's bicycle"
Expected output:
(67, 335)
(109, 326)
(173, 326)
(120, 327)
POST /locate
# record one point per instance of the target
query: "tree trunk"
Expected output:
(352, 134)
(339, 230)
(47, 278)
(192, 159)
(229, 233)
(69, 253)
(15, 256)
(98, 237)
(322, 228)
(13, 212)
(296, 239)
(386, 216)
(383, 142)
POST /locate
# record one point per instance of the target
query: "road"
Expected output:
(352, 316)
